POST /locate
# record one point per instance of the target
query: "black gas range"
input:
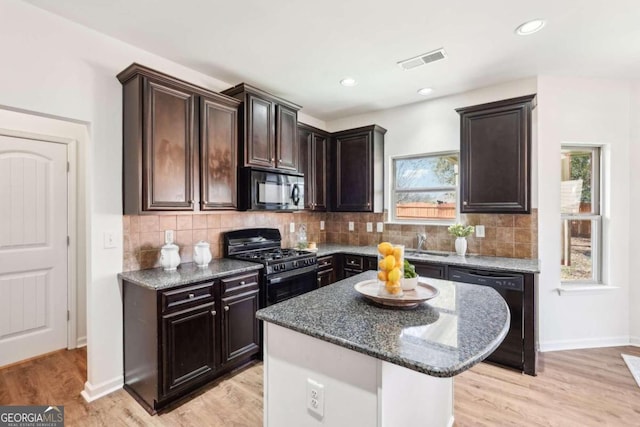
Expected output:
(287, 272)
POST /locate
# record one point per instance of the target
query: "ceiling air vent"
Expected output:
(423, 59)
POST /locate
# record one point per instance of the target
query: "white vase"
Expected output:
(461, 246)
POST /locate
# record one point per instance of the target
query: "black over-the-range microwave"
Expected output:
(269, 190)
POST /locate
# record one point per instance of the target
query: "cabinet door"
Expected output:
(167, 173)
(326, 277)
(495, 150)
(240, 332)
(319, 172)
(426, 269)
(305, 164)
(287, 139)
(188, 339)
(259, 146)
(218, 159)
(353, 173)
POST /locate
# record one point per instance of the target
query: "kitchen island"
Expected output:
(334, 359)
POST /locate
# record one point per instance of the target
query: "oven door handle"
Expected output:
(289, 274)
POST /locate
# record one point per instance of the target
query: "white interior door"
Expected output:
(33, 248)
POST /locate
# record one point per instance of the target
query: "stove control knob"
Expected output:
(295, 263)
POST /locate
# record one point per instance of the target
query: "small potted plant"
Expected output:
(410, 279)
(461, 232)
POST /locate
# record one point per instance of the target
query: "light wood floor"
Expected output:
(574, 388)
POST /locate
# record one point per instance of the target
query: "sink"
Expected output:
(421, 253)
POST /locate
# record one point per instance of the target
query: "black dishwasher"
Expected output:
(511, 287)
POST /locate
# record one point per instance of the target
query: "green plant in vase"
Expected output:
(461, 232)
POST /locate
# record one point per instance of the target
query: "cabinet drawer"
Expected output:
(353, 262)
(325, 263)
(435, 271)
(184, 297)
(239, 283)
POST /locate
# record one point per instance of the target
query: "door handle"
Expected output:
(226, 308)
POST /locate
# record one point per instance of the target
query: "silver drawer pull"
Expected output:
(191, 296)
(213, 312)
(242, 283)
(226, 308)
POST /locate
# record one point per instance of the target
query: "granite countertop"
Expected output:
(157, 278)
(473, 261)
(443, 337)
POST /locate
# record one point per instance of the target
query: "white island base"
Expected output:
(358, 390)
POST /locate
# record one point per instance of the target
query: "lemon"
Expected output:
(397, 252)
(382, 276)
(394, 275)
(389, 262)
(385, 248)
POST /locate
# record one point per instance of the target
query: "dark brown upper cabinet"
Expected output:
(267, 129)
(358, 179)
(313, 144)
(495, 156)
(179, 144)
(218, 155)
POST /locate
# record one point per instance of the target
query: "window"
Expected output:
(581, 257)
(425, 188)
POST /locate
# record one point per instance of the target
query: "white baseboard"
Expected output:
(634, 341)
(81, 342)
(92, 392)
(584, 343)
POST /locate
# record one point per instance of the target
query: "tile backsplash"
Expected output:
(506, 235)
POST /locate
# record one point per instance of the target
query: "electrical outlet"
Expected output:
(351, 226)
(479, 230)
(369, 227)
(315, 397)
(379, 227)
(292, 227)
(168, 236)
(321, 225)
(109, 240)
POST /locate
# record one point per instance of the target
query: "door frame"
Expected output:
(72, 232)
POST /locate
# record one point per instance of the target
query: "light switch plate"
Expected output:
(369, 227)
(292, 227)
(351, 226)
(321, 225)
(379, 227)
(479, 230)
(168, 236)
(109, 240)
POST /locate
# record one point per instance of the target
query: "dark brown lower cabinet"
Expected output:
(240, 330)
(178, 339)
(427, 269)
(326, 270)
(189, 345)
(356, 264)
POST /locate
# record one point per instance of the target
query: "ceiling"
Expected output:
(300, 49)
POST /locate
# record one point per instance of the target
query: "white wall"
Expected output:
(634, 235)
(584, 111)
(433, 125)
(56, 68)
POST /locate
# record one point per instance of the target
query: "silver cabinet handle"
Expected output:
(273, 159)
(464, 203)
(226, 308)
(242, 283)
(192, 296)
(213, 312)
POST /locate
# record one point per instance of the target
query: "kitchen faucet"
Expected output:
(422, 241)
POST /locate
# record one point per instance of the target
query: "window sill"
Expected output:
(443, 223)
(585, 289)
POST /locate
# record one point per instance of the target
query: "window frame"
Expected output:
(595, 216)
(394, 190)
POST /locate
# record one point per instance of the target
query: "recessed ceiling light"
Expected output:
(348, 81)
(425, 91)
(530, 27)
